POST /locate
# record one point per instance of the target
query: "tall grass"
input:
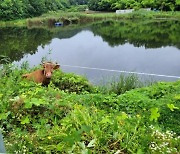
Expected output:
(119, 85)
(14, 23)
(4, 59)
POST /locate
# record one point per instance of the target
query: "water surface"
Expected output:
(143, 46)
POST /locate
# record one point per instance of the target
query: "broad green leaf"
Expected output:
(172, 107)
(28, 104)
(177, 97)
(25, 120)
(106, 120)
(124, 115)
(154, 114)
(86, 128)
(60, 146)
(140, 151)
(37, 101)
(4, 116)
(178, 2)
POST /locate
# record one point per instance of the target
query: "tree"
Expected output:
(93, 4)
(17, 9)
(11, 9)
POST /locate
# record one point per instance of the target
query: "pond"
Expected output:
(100, 50)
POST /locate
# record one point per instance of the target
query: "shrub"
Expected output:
(18, 9)
(71, 83)
(121, 84)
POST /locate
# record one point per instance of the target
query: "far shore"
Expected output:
(89, 16)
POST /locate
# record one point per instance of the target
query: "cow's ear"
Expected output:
(56, 66)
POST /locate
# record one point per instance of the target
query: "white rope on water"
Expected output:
(119, 71)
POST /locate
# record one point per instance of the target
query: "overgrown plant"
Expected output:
(63, 118)
(71, 82)
(121, 84)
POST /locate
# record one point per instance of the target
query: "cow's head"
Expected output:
(48, 68)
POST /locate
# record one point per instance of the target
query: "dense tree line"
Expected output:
(78, 2)
(16, 9)
(112, 5)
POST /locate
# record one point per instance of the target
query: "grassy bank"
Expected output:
(14, 23)
(87, 17)
(73, 116)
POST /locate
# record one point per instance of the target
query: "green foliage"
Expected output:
(172, 107)
(122, 84)
(155, 102)
(167, 5)
(11, 9)
(77, 8)
(78, 2)
(71, 82)
(68, 119)
(18, 9)
(111, 5)
(154, 114)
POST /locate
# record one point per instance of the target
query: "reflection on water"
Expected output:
(150, 34)
(151, 47)
(16, 42)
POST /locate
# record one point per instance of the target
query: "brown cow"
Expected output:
(42, 75)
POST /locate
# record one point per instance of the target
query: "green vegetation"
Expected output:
(78, 2)
(74, 15)
(69, 18)
(73, 116)
(121, 84)
(18, 9)
(112, 5)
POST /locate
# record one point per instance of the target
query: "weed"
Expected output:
(72, 116)
(121, 84)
